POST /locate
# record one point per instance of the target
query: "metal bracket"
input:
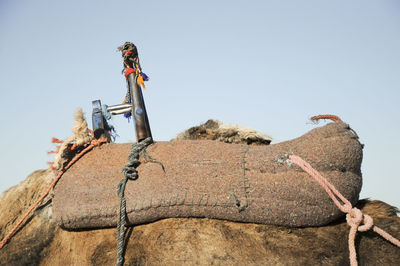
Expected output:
(99, 123)
(99, 120)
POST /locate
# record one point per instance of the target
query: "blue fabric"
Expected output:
(145, 77)
(128, 116)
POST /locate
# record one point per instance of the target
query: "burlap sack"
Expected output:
(215, 180)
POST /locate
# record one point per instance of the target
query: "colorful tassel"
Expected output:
(140, 81)
(145, 77)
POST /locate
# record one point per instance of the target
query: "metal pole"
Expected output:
(139, 113)
(118, 107)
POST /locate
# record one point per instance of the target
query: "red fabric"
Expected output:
(129, 71)
(127, 52)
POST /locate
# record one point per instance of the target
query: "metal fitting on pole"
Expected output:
(100, 126)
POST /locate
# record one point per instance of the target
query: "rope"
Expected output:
(354, 217)
(130, 173)
(81, 136)
(334, 118)
(93, 143)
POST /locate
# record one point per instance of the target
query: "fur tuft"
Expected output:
(228, 133)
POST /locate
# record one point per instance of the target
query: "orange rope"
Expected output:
(56, 140)
(93, 143)
(334, 118)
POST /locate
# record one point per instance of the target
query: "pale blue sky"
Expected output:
(265, 64)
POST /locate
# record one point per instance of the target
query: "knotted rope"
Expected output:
(130, 173)
(354, 217)
(80, 138)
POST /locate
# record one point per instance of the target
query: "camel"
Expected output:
(189, 241)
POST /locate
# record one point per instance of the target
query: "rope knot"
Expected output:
(98, 142)
(355, 218)
(130, 172)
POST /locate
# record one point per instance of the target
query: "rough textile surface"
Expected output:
(214, 180)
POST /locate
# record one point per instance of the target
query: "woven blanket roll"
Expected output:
(214, 180)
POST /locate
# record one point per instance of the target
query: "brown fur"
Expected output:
(187, 241)
(215, 130)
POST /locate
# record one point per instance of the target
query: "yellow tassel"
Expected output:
(140, 81)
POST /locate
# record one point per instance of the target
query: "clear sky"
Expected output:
(266, 64)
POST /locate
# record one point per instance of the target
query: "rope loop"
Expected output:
(368, 223)
(130, 173)
(363, 222)
(354, 217)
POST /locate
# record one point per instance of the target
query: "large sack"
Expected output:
(210, 179)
